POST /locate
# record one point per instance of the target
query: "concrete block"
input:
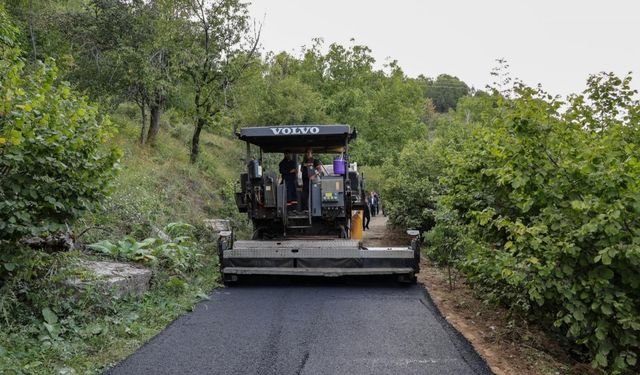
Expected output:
(114, 277)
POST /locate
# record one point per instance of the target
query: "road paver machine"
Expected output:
(313, 240)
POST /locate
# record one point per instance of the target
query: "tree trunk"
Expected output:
(195, 141)
(144, 123)
(32, 35)
(154, 124)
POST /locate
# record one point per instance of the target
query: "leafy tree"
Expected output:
(217, 47)
(444, 91)
(470, 109)
(542, 204)
(395, 117)
(271, 94)
(42, 32)
(385, 107)
(120, 52)
(53, 158)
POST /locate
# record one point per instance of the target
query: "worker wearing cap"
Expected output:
(310, 168)
(288, 168)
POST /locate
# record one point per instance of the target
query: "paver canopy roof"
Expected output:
(296, 138)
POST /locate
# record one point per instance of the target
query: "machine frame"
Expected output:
(315, 242)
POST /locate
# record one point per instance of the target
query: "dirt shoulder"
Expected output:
(508, 348)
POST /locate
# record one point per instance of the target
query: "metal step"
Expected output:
(306, 243)
(296, 217)
(316, 271)
(298, 226)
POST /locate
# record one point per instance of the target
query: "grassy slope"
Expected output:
(156, 185)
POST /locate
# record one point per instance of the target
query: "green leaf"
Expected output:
(605, 259)
(31, 365)
(15, 137)
(607, 274)
(601, 360)
(9, 266)
(631, 358)
(579, 205)
(202, 295)
(147, 242)
(578, 315)
(96, 330)
(49, 316)
(50, 328)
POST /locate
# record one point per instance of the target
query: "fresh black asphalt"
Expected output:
(309, 327)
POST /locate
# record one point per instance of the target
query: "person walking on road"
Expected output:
(372, 207)
(372, 203)
(367, 214)
(376, 199)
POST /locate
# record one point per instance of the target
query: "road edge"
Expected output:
(467, 350)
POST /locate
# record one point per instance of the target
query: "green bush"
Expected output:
(409, 190)
(239, 221)
(544, 200)
(412, 184)
(53, 158)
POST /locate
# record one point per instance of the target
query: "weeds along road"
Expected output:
(294, 326)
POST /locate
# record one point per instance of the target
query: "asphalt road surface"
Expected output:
(319, 327)
(311, 326)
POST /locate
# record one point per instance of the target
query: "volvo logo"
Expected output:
(295, 130)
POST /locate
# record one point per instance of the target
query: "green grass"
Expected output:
(94, 340)
(156, 185)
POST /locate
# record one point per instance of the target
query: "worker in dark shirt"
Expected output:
(288, 168)
(367, 213)
(310, 169)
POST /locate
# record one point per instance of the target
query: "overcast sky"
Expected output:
(557, 43)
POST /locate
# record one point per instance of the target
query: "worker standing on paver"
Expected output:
(288, 168)
(310, 167)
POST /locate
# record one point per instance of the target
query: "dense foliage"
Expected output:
(335, 84)
(536, 200)
(92, 331)
(444, 91)
(53, 158)
(50, 326)
(164, 55)
(540, 204)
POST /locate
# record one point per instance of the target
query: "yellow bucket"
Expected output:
(356, 225)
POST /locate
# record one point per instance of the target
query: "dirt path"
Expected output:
(378, 235)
